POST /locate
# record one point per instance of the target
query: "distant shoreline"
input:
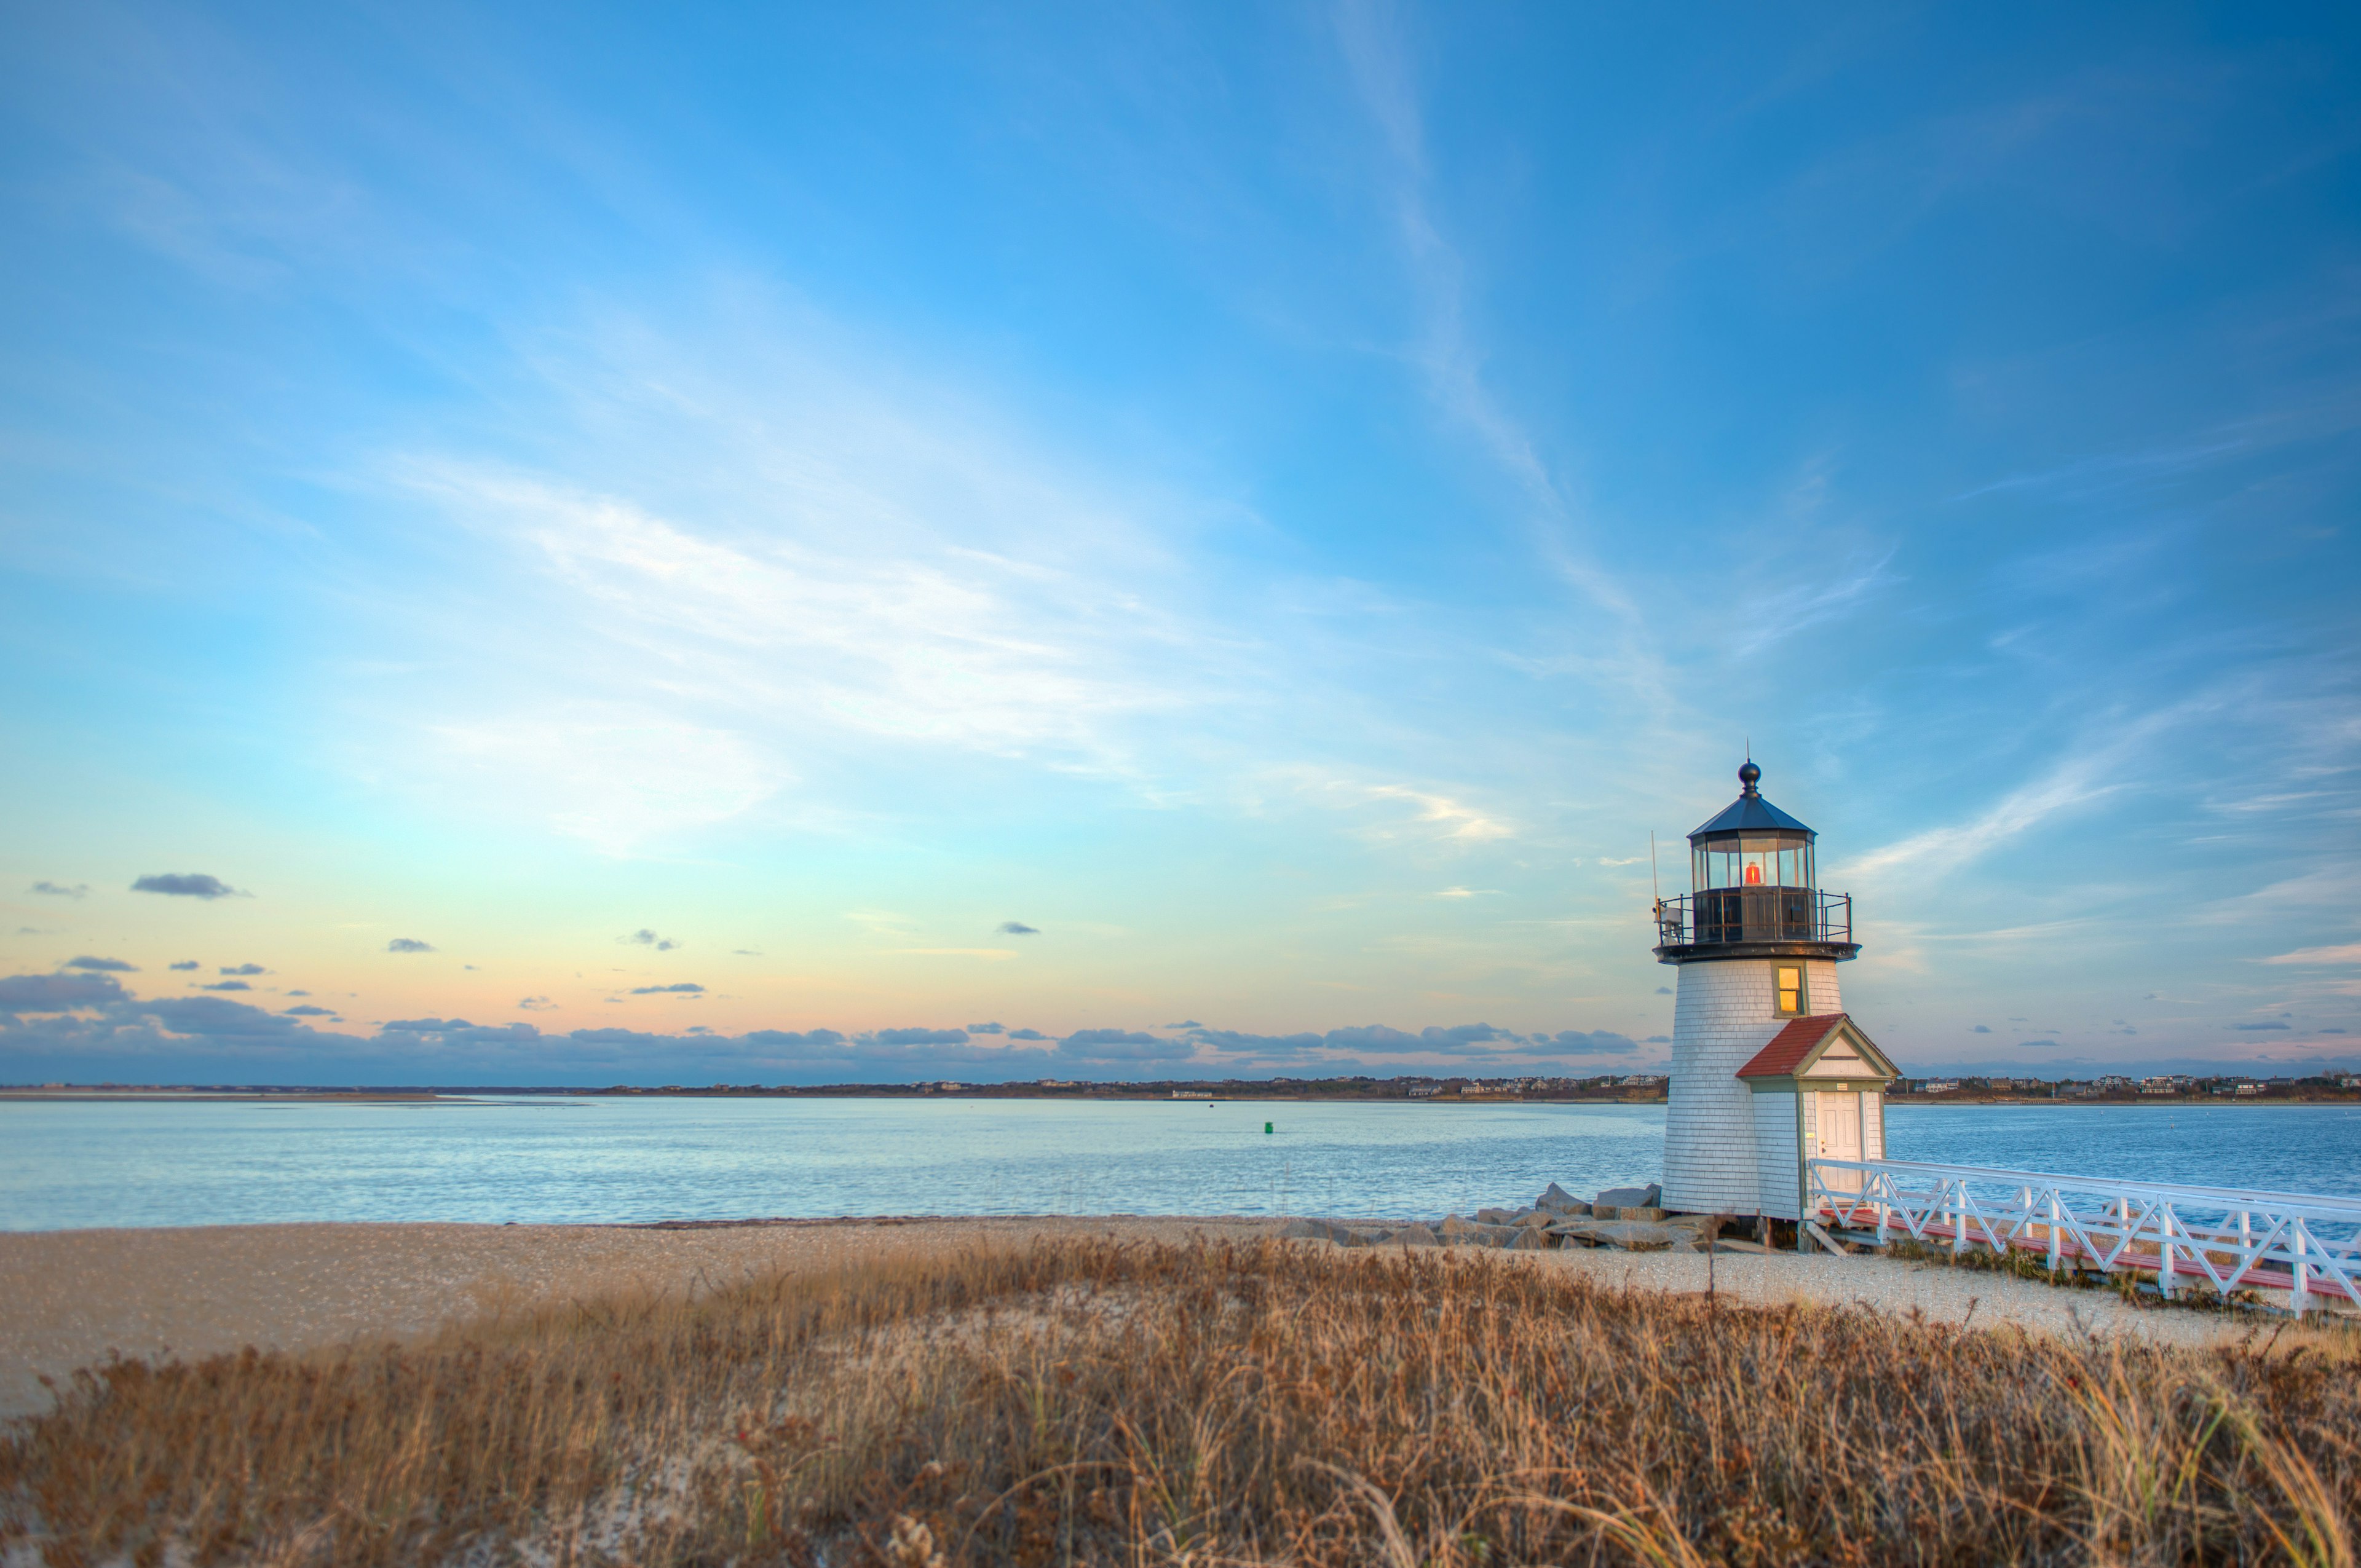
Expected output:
(295, 1095)
(241, 1096)
(2145, 1101)
(461, 1096)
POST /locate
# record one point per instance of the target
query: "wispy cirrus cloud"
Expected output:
(2096, 770)
(2348, 953)
(2086, 475)
(1434, 816)
(1783, 613)
(1380, 59)
(613, 775)
(880, 567)
(1452, 818)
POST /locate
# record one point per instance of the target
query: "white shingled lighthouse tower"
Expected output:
(1767, 1069)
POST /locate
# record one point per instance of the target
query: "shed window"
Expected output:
(1790, 983)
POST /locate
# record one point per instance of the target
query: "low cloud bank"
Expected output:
(82, 1026)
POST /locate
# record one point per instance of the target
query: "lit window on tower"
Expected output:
(1791, 989)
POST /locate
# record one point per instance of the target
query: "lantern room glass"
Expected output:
(1753, 860)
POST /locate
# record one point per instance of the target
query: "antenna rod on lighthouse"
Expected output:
(1654, 886)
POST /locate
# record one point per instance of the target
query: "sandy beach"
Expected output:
(73, 1295)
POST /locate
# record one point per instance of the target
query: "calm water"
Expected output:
(557, 1160)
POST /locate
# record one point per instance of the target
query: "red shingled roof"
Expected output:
(1790, 1046)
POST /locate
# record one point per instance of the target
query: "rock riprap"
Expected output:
(1626, 1217)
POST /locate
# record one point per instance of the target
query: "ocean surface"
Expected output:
(545, 1159)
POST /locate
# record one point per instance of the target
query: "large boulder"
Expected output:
(1557, 1199)
(1317, 1231)
(1528, 1239)
(1412, 1236)
(1648, 1196)
(1630, 1235)
(1496, 1216)
(1542, 1219)
(1457, 1231)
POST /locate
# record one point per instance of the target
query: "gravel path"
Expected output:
(1944, 1294)
(68, 1297)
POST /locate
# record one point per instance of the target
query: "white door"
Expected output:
(1839, 1122)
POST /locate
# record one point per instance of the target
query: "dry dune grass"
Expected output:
(1091, 1401)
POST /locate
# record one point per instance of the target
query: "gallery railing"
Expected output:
(2230, 1238)
(1753, 915)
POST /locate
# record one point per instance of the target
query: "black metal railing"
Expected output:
(1753, 915)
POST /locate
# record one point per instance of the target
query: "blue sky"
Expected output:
(1281, 502)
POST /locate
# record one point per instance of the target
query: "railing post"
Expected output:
(2054, 1229)
(2300, 1297)
(1957, 1199)
(2164, 1281)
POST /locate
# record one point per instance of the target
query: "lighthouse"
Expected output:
(1768, 1069)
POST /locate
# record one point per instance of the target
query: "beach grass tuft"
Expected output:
(1143, 1403)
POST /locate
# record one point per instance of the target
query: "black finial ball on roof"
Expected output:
(1749, 775)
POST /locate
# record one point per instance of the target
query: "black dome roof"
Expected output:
(1749, 812)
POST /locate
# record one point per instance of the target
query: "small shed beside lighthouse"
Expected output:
(1818, 1092)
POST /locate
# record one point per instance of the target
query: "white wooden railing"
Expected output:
(2233, 1239)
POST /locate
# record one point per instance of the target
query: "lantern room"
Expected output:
(1754, 887)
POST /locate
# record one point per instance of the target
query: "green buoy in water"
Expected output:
(1265, 1127)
